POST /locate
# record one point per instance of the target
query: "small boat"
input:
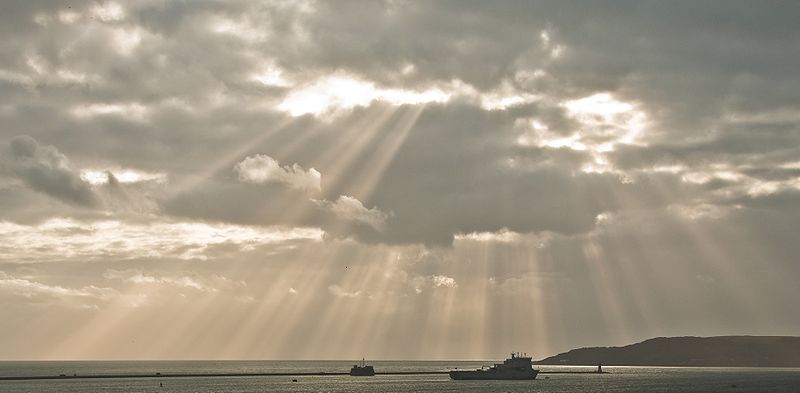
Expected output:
(362, 370)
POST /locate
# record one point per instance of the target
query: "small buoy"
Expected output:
(733, 385)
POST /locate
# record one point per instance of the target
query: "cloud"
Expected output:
(46, 170)
(211, 284)
(132, 111)
(120, 176)
(408, 67)
(62, 239)
(516, 114)
(108, 12)
(502, 236)
(602, 122)
(137, 277)
(338, 291)
(260, 169)
(444, 281)
(351, 209)
(30, 289)
(340, 93)
(422, 283)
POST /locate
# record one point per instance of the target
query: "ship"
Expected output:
(518, 366)
(362, 370)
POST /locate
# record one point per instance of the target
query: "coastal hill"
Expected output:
(721, 351)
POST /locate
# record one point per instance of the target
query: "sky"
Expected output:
(395, 179)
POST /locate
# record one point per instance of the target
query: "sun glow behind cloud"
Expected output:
(271, 76)
(604, 116)
(133, 111)
(123, 175)
(603, 123)
(331, 94)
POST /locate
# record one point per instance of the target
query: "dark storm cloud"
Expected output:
(737, 144)
(458, 171)
(180, 77)
(462, 182)
(46, 170)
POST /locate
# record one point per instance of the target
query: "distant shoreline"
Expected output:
(686, 351)
(719, 351)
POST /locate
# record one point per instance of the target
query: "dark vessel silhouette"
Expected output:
(518, 366)
(362, 370)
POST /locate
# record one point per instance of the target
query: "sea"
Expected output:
(617, 379)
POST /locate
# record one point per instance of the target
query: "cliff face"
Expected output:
(744, 351)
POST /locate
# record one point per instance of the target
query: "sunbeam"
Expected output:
(298, 183)
(226, 159)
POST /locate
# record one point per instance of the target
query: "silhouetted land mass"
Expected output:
(721, 351)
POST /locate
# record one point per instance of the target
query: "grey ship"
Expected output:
(518, 366)
(362, 370)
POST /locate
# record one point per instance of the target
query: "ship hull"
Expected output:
(366, 371)
(490, 375)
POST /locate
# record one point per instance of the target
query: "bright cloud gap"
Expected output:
(336, 93)
(60, 238)
(122, 175)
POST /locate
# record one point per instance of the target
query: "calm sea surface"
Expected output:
(619, 379)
